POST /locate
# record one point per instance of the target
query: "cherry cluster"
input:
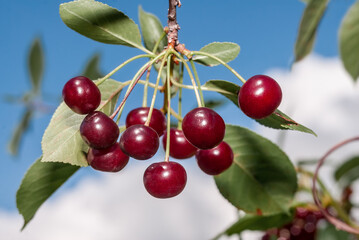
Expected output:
(303, 226)
(201, 134)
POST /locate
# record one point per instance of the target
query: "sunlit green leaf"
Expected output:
(311, 18)
(62, 141)
(262, 180)
(278, 120)
(39, 183)
(36, 64)
(349, 41)
(101, 22)
(152, 30)
(20, 130)
(226, 51)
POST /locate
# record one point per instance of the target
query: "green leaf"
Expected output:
(214, 103)
(36, 64)
(349, 41)
(262, 223)
(92, 68)
(21, 128)
(226, 51)
(329, 232)
(311, 18)
(348, 171)
(62, 141)
(40, 182)
(278, 120)
(262, 180)
(152, 30)
(101, 23)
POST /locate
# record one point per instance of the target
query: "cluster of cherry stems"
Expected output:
(201, 133)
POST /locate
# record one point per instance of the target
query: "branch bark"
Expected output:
(173, 26)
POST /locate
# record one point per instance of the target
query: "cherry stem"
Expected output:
(121, 66)
(124, 84)
(336, 222)
(198, 81)
(176, 115)
(134, 81)
(167, 156)
(156, 87)
(221, 62)
(158, 42)
(179, 125)
(145, 88)
(191, 77)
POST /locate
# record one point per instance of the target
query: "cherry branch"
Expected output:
(336, 222)
(173, 26)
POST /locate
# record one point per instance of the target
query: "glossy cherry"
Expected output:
(110, 159)
(140, 142)
(203, 127)
(165, 179)
(180, 148)
(260, 96)
(139, 116)
(216, 160)
(81, 95)
(98, 130)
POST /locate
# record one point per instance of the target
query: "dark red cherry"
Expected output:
(180, 148)
(139, 116)
(99, 131)
(140, 142)
(110, 159)
(203, 127)
(260, 96)
(216, 160)
(81, 95)
(165, 179)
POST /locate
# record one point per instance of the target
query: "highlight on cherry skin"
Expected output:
(180, 147)
(165, 179)
(139, 142)
(216, 160)
(203, 128)
(81, 95)
(99, 131)
(110, 159)
(259, 96)
(139, 116)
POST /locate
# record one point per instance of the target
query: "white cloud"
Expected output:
(317, 93)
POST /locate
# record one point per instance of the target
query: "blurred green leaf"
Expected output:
(38, 184)
(62, 141)
(36, 64)
(262, 180)
(226, 51)
(311, 18)
(278, 120)
(101, 22)
(348, 171)
(19, 132)
(214, 103)
(329, 232)
(152, 30)
(349, 41)
(262, 223)
(92, 68)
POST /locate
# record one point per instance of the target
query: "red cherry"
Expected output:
(140, 142)
(110, 159)
(180, 148)
(216, 160)
(260, 96)
(99, 131)
(165, 179)
(203, 127)
(81, 95)
(139, 116)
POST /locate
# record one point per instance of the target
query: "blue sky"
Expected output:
(265, 30)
